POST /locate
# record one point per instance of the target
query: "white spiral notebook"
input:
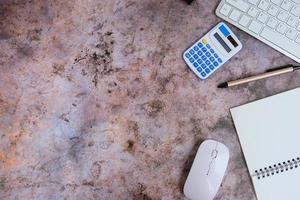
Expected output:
(269, 133)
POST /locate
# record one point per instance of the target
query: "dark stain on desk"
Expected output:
(96, 61)
(153, 108)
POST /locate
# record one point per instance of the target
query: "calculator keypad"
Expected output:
(203, 58)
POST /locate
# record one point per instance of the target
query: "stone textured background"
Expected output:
(97, 103)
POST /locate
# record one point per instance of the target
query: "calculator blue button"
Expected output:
(203, 57)
(200, 45)
(200, 53)
(196, 64)
(212, 59)
(216, 63)
(203, 74)
(207, 54)
(192, 51)
(199, 69)
(224, 30)
(196, 56)
(203, 66)
(211, 67)
(220, 60)
(187, 55)
(216, 55)
(212, 51)
(196, 48)
(204, 49)
(208, 46)
(207, 62)
(207, 70)
(192, 60)
(199, 61)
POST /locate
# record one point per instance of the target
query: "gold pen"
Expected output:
(269, 73)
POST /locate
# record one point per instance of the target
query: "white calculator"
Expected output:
(210, 52)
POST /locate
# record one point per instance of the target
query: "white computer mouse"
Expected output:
(207, 171)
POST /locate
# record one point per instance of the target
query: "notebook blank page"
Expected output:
(269, 132)
(284, 186)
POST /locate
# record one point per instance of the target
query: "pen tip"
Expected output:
(223, 85)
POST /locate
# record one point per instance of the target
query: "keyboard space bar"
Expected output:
(281, 41)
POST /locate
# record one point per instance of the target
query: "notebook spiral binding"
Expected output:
(277, 168)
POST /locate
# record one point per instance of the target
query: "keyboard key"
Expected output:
(253, 12)
(207, 54)
(212, 51)
(191, 51)
(208, 46)
(200, 45)
(199, 69)
(282, 28)
(203, 57)
(199, 53)
(211, 59)
(203, 66)
(255, 27)
(191, 60)
(207, 70)
(203, 74)
(273, 10)
(239, 4)
(283, 16)
(277, 2)
(207, 62)
(220, 60)
(245, 20)
(264, 4)
(272, 23)
(292, 21)
(216, 64)
(211, 67)
(216, 55)
(196, 48)
(196, 56)
(254, 2)
(188, 55)
(262, 17)
(291, 34)
(235, 15)
(196, 64)
(225, 10)
(298, 39)
(296, 11)
(280, 40)
(286, 5)
(204, 49)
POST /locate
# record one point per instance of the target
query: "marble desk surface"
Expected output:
(97, 103)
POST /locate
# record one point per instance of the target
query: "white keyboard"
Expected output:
(275, 22)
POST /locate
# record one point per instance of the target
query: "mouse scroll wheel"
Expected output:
(214, 153)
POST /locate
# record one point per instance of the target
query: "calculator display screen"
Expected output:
(222, 42)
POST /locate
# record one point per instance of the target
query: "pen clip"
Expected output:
(278, 68)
